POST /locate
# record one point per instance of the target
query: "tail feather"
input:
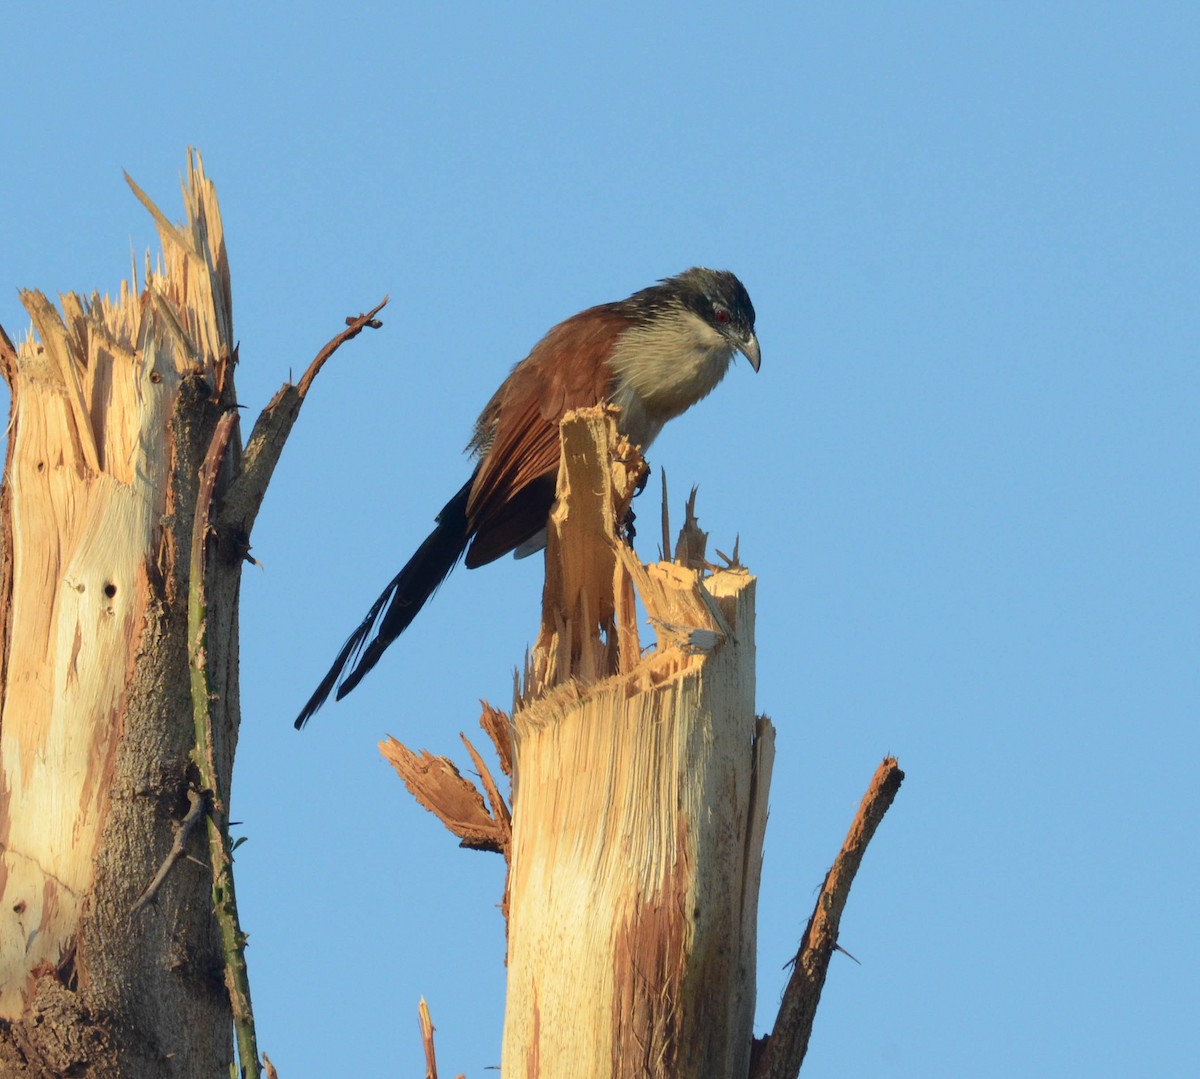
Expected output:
(391, 614)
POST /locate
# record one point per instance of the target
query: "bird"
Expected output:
(653, 356)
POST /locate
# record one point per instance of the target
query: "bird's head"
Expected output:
(679, 338)
(722, 301)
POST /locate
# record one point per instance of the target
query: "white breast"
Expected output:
(663, 369)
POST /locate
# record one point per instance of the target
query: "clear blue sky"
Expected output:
(966, 475)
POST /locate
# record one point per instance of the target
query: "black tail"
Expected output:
(392, 612)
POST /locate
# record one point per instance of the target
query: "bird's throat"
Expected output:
(664, 367)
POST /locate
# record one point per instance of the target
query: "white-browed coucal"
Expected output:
(653, 355)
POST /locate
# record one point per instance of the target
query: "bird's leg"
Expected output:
(628, 532)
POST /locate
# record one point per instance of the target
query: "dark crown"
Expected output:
(700, 290)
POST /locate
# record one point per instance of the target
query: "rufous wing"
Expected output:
(514, 487)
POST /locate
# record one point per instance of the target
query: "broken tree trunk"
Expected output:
(639, 802)
(111, 962)
(113, 407)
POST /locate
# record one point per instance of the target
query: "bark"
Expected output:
(110, 959)
(113, 405)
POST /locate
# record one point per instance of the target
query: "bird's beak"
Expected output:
(750, 350)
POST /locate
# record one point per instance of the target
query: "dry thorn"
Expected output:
(839, 948)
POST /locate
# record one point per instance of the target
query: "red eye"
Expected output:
(721, 314)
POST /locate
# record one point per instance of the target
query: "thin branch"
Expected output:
(427, 1029)
(354, 326)
(781, 1053)
(183, 831)
(237, 978)
(426, 1021)
(265, 445)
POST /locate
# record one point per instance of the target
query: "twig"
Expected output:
(354, 326)
(781, 1053)
(183, 831)
(426, 1022)
(237, 978)
(265, 445)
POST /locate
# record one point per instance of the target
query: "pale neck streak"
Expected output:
(662, 368)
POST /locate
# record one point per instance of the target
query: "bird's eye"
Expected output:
(720, 314)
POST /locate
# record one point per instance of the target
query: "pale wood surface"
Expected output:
(114, 402)
(639, 800)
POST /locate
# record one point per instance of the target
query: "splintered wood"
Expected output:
(87, 482)
(589, 616)
(439, 786)
(639, 800)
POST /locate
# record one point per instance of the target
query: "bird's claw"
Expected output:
(628, 532)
